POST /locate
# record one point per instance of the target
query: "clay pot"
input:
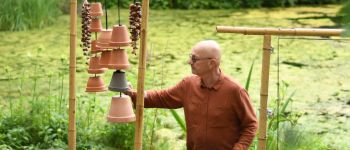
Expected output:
(120, 36)
(96, 9)
(121, 110)
(105, 58)
(95, 49)
(94, 66)
(95, 84)
(119, 60)
(104, 39)
(118, 82)
(96, 25)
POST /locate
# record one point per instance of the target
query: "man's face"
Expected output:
(199, 62)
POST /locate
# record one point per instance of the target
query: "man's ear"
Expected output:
(213, 63)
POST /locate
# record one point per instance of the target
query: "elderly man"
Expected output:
(218, 112)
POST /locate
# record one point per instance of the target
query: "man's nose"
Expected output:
(189, 62)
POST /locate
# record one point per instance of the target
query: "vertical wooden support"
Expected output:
(141, 77)
(72, 69)
(264, 92)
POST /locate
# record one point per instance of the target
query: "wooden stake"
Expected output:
(279, 31)
(141, 77)
(72, 69)
(264, 92)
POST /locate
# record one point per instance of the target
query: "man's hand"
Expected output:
(129, 91)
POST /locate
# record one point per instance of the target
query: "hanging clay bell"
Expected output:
(96, 9)
(105, 59)
(94, 48)
(95, 84)
(120, 36)
(104, 39)
(118, 82)
(119, 60)
(94, 66)
(96, 25)
(121, 110)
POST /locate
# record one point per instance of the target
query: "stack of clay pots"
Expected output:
(95, 83)
(121, 108)
(108, 52)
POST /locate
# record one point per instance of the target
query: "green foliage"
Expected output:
(283, 132)
(120, 136)
(344, 14)
(25, 131)
(28, 14)
(179, 120)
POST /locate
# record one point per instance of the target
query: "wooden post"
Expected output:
(141, 77)
(264, 92)
(72, 69)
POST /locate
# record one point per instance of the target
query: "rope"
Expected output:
(119, 12)
(156, 110)
(106, 15)
(278, 90)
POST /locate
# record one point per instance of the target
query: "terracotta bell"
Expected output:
(120, 36)
(105, 58)
(104, 39)
(96, 9)
(95, 84)
(118, 82)
(95, 49)
(119, 60)
(121, 110)
(94, 66)
(96, 25)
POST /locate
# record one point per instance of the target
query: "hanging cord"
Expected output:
(119, 13)
(278, 90)
(106, 15)
(156, 111)
(161, 86)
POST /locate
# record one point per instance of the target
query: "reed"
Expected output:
(17, 15)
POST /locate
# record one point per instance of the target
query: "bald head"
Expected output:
(208, 49)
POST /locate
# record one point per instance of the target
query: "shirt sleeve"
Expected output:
(167, 98)
(248, 121)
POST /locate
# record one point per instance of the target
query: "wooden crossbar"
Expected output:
(280, 31)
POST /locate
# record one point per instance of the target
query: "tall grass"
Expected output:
(19, 15)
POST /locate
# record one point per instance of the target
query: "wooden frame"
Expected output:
(140, 82)
(72, 69)
(267, 32)
(141, 77)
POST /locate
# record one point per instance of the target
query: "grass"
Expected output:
(322, 84)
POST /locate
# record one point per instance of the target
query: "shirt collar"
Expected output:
(216, 85)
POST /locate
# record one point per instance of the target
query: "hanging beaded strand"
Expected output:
(135, 24)
(85, 27)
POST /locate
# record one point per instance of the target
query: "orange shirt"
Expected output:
(217, 118)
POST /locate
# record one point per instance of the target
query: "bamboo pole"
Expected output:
(279, 31)
(141, 77)
(264, 92)
(72, 69)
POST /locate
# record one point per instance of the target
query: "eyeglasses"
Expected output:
(194, 59)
